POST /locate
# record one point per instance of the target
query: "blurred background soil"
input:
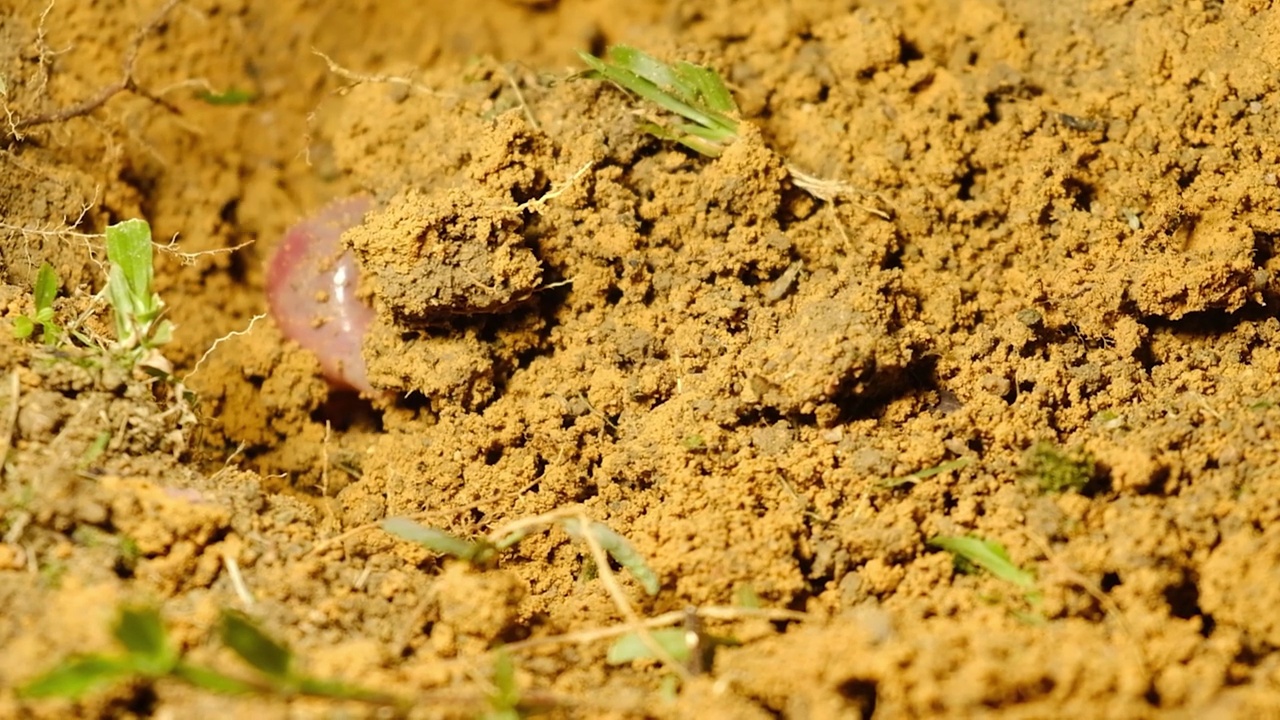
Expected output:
(1059, 231)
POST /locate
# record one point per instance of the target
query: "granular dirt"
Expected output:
(1057, 225)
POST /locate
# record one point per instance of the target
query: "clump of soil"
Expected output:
(1051, 240)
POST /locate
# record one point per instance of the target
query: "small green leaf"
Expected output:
(510, 540)
(141, 632)
(988, 555)
(130, 553)
(23, 327)
(943, 467)
(631, 647)
(620, 549)
(709, 87)
(46, 287)
(694, 443)
(161, 333)
(77, 677)
(439, 541)
(255, 647)
(129, 248)
(506, 693)
(95, 450)
(928, 472)
(644, 65)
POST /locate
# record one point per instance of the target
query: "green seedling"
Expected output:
(1056, 471)
(275, 661)
(138, 309)
(484, 551)
(52, 573)
(45, 291)
(480, 553)
(1108, 420)
(694, 443)
(707, 114)
(700, 112)
(95, 449)
(504, 700)
(618, 547)
(129, 554)
(631, 647)
(680, 644)
(928, 472)
(148, 654)
(972, 553)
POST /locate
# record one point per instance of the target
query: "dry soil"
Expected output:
(1054, 235)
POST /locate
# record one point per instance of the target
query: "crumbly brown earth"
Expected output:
(1059, 226)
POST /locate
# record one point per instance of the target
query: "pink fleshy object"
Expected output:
(311, 292)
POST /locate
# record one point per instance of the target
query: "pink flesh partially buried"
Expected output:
(311, 292)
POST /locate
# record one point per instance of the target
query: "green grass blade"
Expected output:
(691, 84)
(988, 555)
(264, 654)
(928, 472)
(78, 677)
(693, 142)
(715, 135)
(708, 87)
(439, 541)
(648, 91)
(650, 68)
(692, 92)
(620, 549)
(506, 692)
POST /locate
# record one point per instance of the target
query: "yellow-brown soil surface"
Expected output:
(1057, 227)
